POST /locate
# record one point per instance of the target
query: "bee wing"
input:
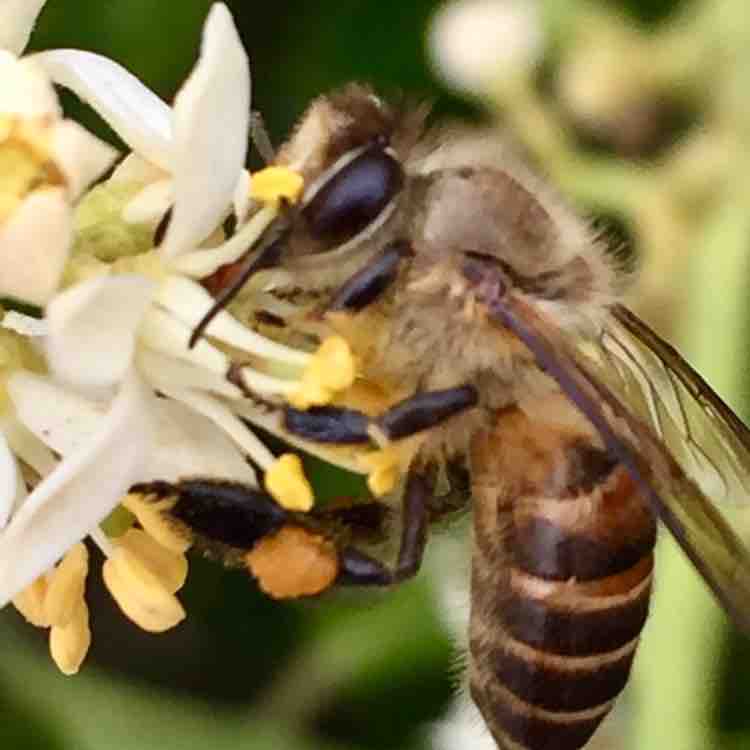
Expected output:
(703, 434)
(707, 539)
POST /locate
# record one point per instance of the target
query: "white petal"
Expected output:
(24, 324)
(8, 481)
(34, 245)
(189, 301)
(133, 111)
(81, 156)
(241, 200)
(202, 263)
(222, 416)
(211, 120)
(134, 168)
(150, 204)
(164, 333)
(92, 329)
(27, 446)
(17, 19)
(163, 371)
(188, 444)
(61, 419)
(79, 493)
(25, 89)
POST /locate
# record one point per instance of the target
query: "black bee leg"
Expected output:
(330, 424)
(225, 512)
(425, 410)
(370, 281)
(360, 569)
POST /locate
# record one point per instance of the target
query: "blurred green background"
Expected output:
(359, 671)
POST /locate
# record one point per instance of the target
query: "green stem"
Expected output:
(677, 668)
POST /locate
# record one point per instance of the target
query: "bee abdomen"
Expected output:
(553, 638)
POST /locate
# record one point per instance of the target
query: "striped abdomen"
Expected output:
(560, 583)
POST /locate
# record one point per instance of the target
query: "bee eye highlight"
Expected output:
(354, 196)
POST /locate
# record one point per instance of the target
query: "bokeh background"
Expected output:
(639, 111)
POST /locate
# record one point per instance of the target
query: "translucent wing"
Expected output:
(707, 539)
(703, 434)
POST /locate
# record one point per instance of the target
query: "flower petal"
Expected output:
(27, 446)
(92, 329)
(188, 444)
(134, 168)
(61, 419)
(150, 204)
(81, 156)
(79, 493)
(26, 325)
(211, 120)
(223, 417)
(163, 371)
(34, 245)
(25, 89)
(17, 19)
(133, 111)
(8, 481)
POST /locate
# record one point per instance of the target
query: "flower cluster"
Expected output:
(101, 390)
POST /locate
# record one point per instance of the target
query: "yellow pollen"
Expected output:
(286, 482)
(170, 566)
(69, 644)
(272, 184)
(152, 517)
(30, 603)
(384, 469)
(331, 369)
(143, 594)
(66, 586)
(25, 163)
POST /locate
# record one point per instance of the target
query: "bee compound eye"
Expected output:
(354, 196)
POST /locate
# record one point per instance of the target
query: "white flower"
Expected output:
(195, 151)
(121, 333)
(476, 44)
(47, 162)
(17, 19)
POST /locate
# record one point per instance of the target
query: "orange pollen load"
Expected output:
(293, 562)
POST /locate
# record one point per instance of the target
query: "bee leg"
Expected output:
(425, 410)
(225, 512)
(330, 424)
(360, 569)
(372, 280)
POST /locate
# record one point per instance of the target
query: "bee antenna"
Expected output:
(267, 256)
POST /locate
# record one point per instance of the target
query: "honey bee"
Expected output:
(466, 287)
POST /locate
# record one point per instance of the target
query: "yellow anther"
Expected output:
(384, 469)
(30, 603)
(140, 592)
(24, 161)
(170, 566)
(309, 393)
(333, 364)
(332, 368)
(66, 585)
(69, 644)
(286, 482)
(272, 184)
(151, 516)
